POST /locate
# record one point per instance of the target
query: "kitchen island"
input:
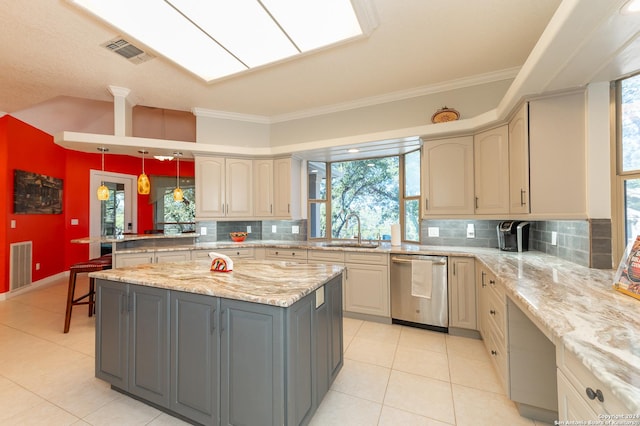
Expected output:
(258, 345)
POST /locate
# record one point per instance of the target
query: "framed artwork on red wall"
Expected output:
(34, 193)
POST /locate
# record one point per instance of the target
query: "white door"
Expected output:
(128, 210)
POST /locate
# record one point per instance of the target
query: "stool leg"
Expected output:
(92, 295)
(70, 292)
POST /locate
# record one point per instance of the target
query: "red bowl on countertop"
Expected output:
(238, 236)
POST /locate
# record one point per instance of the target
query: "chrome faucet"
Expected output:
(346, 220)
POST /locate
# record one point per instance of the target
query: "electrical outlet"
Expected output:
(37, 266)
(554, 238)
(274, 228)
(295, 229)
(203, 230)
(248, 229)
(13, 224)
(433, 231)
(74, 222)
(471, 230)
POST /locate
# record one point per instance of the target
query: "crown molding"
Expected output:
(224, 115)
(460, 83)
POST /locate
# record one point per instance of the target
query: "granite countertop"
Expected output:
(574, 306)
(132, 237)
(266, 282)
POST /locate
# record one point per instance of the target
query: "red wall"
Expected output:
(27, 148)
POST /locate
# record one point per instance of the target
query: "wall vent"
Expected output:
(127, 50)
(20, 264)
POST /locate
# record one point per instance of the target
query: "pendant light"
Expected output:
(144, 186)
(103, 191)
(177, 193)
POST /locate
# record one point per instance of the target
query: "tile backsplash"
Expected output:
(260, 230)
(585, 242)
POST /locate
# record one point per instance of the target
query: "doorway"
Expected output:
(115, 216)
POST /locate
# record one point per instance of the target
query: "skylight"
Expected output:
(218, 38)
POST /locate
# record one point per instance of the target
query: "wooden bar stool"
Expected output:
(97, 264)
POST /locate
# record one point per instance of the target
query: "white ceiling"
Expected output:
(51, 49)
(55, 50)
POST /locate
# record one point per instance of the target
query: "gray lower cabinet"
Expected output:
(195, 357)
(132, 339)
(252, 356)
(220, 361)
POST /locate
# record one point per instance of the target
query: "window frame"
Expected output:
(620, 177)
(401, 196)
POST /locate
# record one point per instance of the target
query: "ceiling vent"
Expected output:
(127, 50)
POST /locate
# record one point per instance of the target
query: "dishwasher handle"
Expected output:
(404, 260)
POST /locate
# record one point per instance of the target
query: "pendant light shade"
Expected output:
(144, 186)
(177, 193)
(103, 191)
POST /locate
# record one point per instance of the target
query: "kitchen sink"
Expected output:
(351, 245)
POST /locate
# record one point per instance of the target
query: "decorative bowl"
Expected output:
(238, 236)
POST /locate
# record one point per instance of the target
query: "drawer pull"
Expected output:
(492, 282)
(591, 394)
(494, 352)
(492, 312)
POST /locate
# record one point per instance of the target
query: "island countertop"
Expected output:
(265, 282)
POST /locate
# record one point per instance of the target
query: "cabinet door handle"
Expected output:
(522, 192)
(454, 268)
(270, 208)
(223, 321)
(288, 208)
(476, 202)
(492, 282)
(494, 352)
(492, 312)
(212, 321)
(591, 394)
(483, 275)
(426, 203)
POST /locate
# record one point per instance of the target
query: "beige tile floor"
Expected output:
(392, 375)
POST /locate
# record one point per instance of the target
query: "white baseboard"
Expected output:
(34, 285)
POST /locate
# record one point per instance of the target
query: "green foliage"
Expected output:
(180, 212)
(368, 188)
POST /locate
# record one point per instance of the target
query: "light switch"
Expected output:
(295, 229)
(203, 230)
(433, 231)
(554, 238)
(274, 228)
(248, 229)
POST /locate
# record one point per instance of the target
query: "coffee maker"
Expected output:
(513, 235)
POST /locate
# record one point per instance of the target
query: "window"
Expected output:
(628, 161)
(171, 216)
(380, 191)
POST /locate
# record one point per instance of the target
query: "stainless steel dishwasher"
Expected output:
(431, 313)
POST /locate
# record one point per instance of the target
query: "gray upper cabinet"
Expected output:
(195, 357)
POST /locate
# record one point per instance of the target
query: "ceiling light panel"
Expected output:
(217, 38)
(313, 24)
(243, 27)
